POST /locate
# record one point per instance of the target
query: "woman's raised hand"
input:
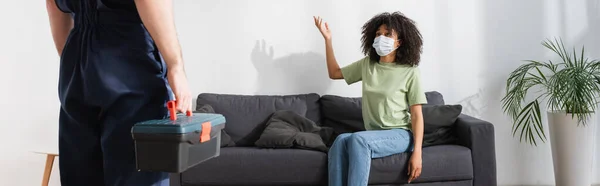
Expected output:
(323, 27)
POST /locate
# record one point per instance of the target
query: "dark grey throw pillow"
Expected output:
(225, 138)
(343, 114)
(439, 120)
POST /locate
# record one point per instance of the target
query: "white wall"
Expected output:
(272, 47)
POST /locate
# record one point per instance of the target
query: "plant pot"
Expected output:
(572, 149)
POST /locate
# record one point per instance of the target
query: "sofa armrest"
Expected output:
(478, 135)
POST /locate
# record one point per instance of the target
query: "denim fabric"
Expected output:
(351, 153)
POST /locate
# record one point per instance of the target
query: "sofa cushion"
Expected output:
(434, 98)
(246, 115)
(440, 163)
(344, 114)
(286, 129)
(254, 166)
(438, 121)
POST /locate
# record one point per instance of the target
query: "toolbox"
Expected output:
(177, 143)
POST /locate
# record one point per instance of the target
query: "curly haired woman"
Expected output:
(392, 96)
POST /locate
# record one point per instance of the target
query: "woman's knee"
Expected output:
(341, 140)
(343, 136)
(357, 139)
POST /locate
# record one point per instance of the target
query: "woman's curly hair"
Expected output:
(411, 41)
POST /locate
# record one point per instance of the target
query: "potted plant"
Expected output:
(570, 90)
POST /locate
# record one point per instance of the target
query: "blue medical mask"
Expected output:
(384, 45)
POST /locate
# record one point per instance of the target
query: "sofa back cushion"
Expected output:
(344, 114)
(434, 98)
(246, 115)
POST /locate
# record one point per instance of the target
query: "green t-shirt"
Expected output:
(388, 89)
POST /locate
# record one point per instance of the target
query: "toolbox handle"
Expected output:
(172, 106)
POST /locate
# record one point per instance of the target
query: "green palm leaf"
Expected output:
(571, 86)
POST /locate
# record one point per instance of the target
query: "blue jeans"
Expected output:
(351, 153)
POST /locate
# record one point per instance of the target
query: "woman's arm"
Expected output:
(415, 165)
(158, 18)
(333, 67)
(416, 117)
(60, 25)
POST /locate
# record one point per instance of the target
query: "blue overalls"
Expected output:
(111, 76)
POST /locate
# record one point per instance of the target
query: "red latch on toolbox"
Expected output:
(205, 134)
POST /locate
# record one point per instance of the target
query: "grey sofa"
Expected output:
(470, 161)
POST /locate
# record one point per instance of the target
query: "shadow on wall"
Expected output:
(474, 105)
(296, 73)
(591, 39)
(512, 32)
